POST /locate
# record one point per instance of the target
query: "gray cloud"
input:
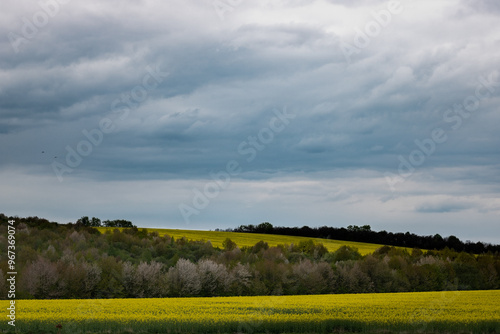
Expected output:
(483, 6)
(227, 77)
(442, 207)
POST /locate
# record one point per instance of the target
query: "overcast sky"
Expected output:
(212, 114)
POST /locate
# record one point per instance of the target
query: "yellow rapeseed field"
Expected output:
(451, 311)
(250, 239)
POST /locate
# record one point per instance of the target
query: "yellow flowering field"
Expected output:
(423, 312)
(250, 239)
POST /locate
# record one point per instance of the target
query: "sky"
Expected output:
(217, 113)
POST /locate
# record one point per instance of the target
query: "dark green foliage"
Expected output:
(309, 247)
(356, 228)
(345, 253)
(84, 221)
(261, 245)
(264, 228)
(228, 244)
(96, 222)
(117, 223)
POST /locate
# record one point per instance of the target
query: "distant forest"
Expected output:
(77, 261)
(365, 234)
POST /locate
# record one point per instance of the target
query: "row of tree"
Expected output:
(71, 261)
(85, 221)
(365, 234)
(96, 222)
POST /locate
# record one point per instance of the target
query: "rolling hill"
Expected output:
(250, 239)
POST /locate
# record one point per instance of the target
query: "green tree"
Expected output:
(228, 244)
(95, 222)
(84, 221)
(265, 227)
(261, 245)
(345, 253)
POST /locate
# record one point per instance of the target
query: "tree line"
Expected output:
(365, 234)
(96, 222)
(84, 221)
(75, 261)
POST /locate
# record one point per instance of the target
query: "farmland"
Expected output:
(451, 311)
(250, 239)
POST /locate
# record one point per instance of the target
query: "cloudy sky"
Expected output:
(212, 114)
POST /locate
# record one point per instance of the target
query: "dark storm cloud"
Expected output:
(355, 117)
(442, 207)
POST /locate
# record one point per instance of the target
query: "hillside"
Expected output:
(365, 234)
(249, 239)
(56, 261)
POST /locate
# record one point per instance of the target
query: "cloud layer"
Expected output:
(126, 108)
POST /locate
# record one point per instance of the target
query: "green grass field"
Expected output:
(250, 239)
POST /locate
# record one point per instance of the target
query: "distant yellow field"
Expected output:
(250, 239)
(423, 312)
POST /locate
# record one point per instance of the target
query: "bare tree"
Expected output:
(148, 278)
(240, 279)
(92, 277)
(352, 279)
(40, 279)
(68, 257)
(77, 237)
(308, 278)
(128, 276)
(214, 278)
(183, 279)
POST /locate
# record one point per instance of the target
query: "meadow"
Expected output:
(250, 239)
(422, 312)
